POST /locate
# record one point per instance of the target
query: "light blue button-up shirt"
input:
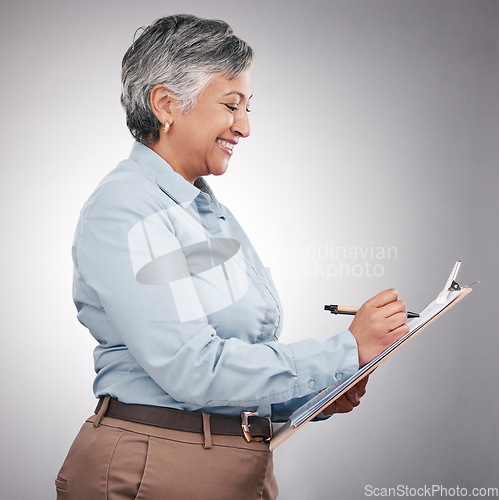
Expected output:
(184, 312)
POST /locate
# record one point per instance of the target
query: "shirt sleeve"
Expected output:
(187, 359)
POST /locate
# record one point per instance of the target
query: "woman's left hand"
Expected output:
(348, 401)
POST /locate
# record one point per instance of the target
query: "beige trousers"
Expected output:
(121, 460)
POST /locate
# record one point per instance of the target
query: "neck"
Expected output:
(161, 150)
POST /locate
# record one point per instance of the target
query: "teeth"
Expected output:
(226, 144)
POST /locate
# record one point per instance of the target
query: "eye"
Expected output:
(231, 108)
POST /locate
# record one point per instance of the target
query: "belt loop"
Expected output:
(102, 411)
(207, 431)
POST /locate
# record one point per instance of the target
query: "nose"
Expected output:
(241, 125)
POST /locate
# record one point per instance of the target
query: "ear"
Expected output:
(163, 105)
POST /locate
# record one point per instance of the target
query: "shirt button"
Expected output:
(311, 383)
(339, 377)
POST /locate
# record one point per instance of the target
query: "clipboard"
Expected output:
(447, 298)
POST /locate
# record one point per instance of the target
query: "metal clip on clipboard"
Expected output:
(450, 285)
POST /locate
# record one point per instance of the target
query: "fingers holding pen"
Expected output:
(395, 307)
(395, 321)
(386, 303)
(383, 298)
(379, 323)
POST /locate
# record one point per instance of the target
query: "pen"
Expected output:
(335, 309)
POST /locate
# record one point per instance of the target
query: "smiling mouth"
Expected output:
(227, 146)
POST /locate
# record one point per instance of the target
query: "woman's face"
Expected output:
(202, 141)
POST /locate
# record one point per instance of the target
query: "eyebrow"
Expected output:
(240, 94)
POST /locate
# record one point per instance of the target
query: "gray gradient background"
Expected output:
(374, 123)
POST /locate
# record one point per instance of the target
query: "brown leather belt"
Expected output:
(249, 425)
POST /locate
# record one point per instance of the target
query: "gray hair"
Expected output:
(182, 52)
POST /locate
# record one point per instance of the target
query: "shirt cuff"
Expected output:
(321, 364)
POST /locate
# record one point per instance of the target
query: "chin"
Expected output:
(219, 170)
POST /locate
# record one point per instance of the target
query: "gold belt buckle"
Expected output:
(245, 426)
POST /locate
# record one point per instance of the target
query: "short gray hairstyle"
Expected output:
(182, 52)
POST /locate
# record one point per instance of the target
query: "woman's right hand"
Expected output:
(378, 324)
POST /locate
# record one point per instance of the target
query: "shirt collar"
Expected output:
(173, 184)
(208, 194)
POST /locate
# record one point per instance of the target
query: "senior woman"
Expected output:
(185, 315)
